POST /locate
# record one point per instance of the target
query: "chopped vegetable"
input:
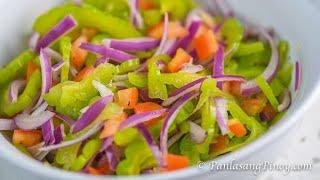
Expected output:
(181, 58)
(88, 17)
(111, 126)
(118, 87)
(156, 87)
(127, 98)
(26, 138)
(266, 89)
(145, 107)
(12, 70)
(175, 30)
(65, 46)
(175, 162)
(79, 55)
(237, 128)
(206, 45)
(32, 67)
(24, 100)
(84, 73)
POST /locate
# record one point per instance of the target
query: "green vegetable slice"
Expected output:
(86, 16)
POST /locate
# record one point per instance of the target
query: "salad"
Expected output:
(131, 87)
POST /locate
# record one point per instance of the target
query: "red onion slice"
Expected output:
(191, 68)
(33, 41)
(65, 118)
(171, 47)
(164, 36)
(15, 88)
(285, 104)
(175, 138)
(46, 72)
(152, 144)
(193, 86)
(106, 143)
(172, 114)
(197, 133)
(73, 71)
(221, 103)
(59, 134)
(53, 54)
(193, 16)
(30, 122)
(7, 124)
(228, 78)
(101, 60)
(47, 132)
(91, 114)
(136, 44)
(112, 158)
(34, 151)
(63, 27)
(141, 118)
(251, 87)
(85, 136)
(135, 15)
(105, 52)
(297, 82)
(57, 67)
(221, 114)
(40, 109)
(117, 55)
(218, 65)
(93, 48)
(193, 29)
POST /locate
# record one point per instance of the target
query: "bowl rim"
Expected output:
(31, 165)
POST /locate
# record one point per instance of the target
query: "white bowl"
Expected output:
(295, 20)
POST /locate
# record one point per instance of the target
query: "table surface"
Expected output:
(304, 149)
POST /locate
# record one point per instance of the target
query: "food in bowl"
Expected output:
(125, 88)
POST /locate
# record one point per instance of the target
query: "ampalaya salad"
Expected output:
(117, 87)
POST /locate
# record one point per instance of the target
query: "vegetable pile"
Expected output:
(123, 87)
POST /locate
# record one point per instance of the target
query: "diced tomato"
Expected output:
(102, 170)
(89, 33)
(237, 128)
(181, 58)
(111, 126)
(175, 162)
(220, 144)
(269, 112)
(253, 106)
(232, 87)
(175, 30)
(26, 138)
(127, 98)
(78, 55)
(146, 4)
(32, 67)
(206, 45)
(235, 88)
(145, 107)
(85, 72)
